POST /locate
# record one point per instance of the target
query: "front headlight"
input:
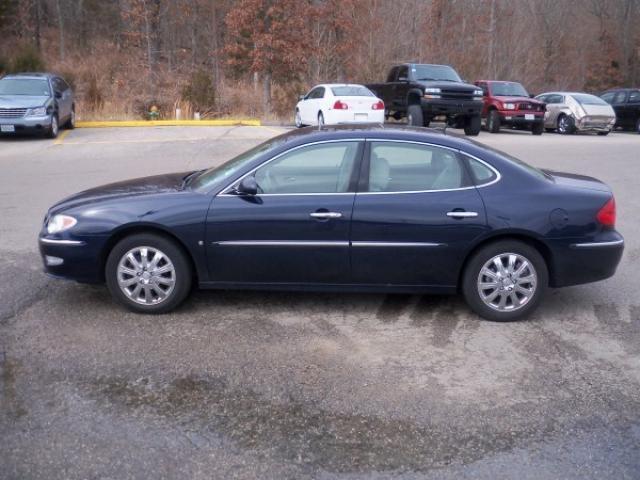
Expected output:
(477, 93)
(432, 90)
(509, 106)
(37, 112)
(60, 223)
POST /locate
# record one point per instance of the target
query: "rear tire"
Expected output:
(71, 123)
(320, 120)
(298, 119)
(472, 126)
(493, 121)
(414, 116)
(537, 128)
(522, 283)
(638, 126)
(145, 283)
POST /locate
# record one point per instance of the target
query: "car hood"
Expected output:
(451, 86)
(511, 99)
(22, 101)
(171, 182)
(578, 181)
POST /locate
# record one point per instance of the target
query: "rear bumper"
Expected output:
(28, 124)
(335, 117)
(73, 258)
(451, 108)
(585, 260)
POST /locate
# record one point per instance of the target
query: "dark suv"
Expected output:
(626, 104)
(35, 103)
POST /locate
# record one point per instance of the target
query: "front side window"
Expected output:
(619, 98)
(25, 86)
(409, 167)
(608, 97)
(321, 168)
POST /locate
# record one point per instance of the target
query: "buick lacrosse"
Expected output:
(366, 208)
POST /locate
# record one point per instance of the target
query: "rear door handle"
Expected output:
(325, 215)
(462, 214)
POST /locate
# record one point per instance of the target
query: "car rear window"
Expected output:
(586, 99)
(351, 91)
(36, 87)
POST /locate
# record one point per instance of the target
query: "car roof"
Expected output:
(498, 81)
(566, 93)
(444, 137)
(29, 75)
(329, 85)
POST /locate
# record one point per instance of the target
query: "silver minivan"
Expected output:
(35, 103)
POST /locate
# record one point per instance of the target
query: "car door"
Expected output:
(415, 215)
(296, 229)
(555, 104)
(633, 105)
(620, 106)
(63, 95)
(400, 88)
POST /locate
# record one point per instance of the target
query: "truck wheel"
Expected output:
(472, 126)
(493, 121)
(414, 116)
(638, 126)
(537, 128)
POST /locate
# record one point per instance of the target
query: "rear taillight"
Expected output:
(607, 214)
(379, 105)
(340, 105)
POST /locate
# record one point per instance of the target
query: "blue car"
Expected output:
(368, 208)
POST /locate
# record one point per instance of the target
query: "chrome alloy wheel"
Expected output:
(564, 124)
(146, 275)
(298, 119)
(507, 282)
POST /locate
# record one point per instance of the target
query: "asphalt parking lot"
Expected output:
(301, 386)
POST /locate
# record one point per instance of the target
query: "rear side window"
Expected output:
(409, 167)
(481, 173)
(634, 96)
(619, 98)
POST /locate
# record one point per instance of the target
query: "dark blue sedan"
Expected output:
(343, 209)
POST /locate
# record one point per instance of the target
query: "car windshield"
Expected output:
(24, 86)
(214, 175)
(586, 99)
(508, 89)
(435, 72)
(352, 91)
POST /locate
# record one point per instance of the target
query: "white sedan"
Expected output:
(335, 103)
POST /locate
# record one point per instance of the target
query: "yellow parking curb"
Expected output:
(171, 123)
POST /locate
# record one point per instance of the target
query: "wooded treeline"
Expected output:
(252, 57)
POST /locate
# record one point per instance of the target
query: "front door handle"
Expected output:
(325, 215)
(462, 214)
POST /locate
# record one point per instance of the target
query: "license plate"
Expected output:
(7, 128)
(529, 116)
(361, 116)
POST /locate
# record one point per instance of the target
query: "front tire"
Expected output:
(537, 128)
(472, 126)
(71, 123)
(566, 125)
(493, 121)
(54, 128)
(320, 120)
(148, 273)
(414, 116)
(603, 134)
(638, 126)
(298, 119)
(505, 281)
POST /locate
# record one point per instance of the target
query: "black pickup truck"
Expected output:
(424, 92)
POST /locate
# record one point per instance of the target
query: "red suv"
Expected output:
(508, 104)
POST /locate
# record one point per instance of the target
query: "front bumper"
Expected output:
(73, 258)
(451, 108)
(578, 261)
(519, 118)
(27, 124)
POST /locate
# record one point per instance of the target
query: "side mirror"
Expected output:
(301, 97)
(58, 94)
(248, 186)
